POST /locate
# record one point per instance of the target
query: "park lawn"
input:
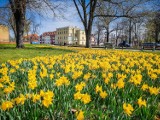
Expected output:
(9, 52)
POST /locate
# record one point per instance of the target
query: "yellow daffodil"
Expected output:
(80, 86)
(103, 94)
(87, 76)
(77, 96)
(120, 84)
(98, 88)
(106, 80)
(6, 105)
(80, 115)
(128, 109)
(141, 102)
(153, 90)
(85, 98)
(62, 81)
(144, 87)
(36, 98)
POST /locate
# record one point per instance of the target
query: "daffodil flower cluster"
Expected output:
(98, 84)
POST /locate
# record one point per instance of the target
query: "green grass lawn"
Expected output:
(9, 52)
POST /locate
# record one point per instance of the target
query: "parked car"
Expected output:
(123, 44)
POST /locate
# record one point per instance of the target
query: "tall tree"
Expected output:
(19, 8)
(153, 27)
(106, 8)
(99, 31)
(86, 9)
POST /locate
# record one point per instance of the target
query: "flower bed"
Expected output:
(90, 84)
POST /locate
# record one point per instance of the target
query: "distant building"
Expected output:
(30, 38)
(4, 33)
(47, 38)
(93, 40)
(70, 35)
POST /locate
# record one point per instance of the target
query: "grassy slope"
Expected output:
(9, 52)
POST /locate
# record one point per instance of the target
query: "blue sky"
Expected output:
(71, 19)
(50, 23)
(3, 2)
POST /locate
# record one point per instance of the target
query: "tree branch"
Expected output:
(79, 11)
(127, 16)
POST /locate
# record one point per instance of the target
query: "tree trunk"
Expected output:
(88, 33)
(20, 30)
(130, 30)
(107, 34)
(86, 17)
(135, 35)
(18, 8)
(98, 37)
(156, 35)
(117, 35)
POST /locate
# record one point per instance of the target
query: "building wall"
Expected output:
(31, 38)
(4, 33)
(70, 35)
(81, 37)
(63, 35)
(92, 40)
(48, 38)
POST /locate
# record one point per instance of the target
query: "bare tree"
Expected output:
(106, 8)
(99, 31)
(27, 26)
(138, 23)
(86, 11)
(118, 30)
(19, 8)
(153, 26)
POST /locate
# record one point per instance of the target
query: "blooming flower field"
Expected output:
(89, 85)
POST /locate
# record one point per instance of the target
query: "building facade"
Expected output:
(4, 33)
(93, 40)
(31, 38)
(47, 38)
(70, 35)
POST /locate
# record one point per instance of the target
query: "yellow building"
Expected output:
(70, 35)
(4, 33)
